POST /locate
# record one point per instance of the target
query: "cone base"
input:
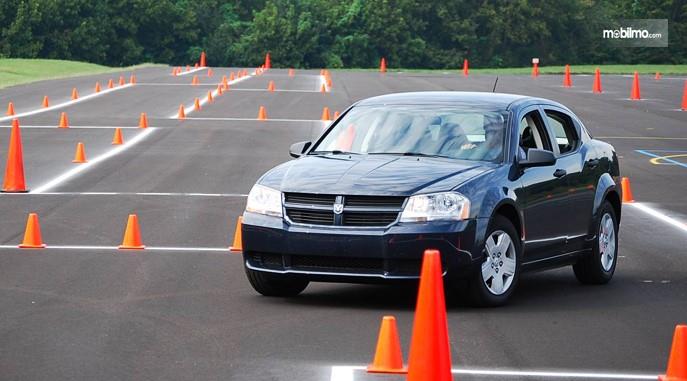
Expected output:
(667, 378)
(79, 161)
(235, 249)
(126, 247)
(14, 191)
(23, 246)
(375, 369)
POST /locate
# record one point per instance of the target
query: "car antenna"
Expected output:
(495, 82)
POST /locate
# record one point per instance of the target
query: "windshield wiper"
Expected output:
(420, 154)
(334, 152)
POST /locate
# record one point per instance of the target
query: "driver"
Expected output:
(492, 147)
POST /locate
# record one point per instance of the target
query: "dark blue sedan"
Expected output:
(499, 183)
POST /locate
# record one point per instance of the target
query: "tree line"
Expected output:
(334, 33)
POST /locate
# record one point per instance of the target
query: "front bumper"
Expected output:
(338, 253)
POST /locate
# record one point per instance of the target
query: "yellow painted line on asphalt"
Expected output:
(660, 160)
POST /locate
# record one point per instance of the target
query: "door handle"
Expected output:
(593, 163)
(560, 173)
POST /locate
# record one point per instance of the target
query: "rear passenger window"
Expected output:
(563, 130)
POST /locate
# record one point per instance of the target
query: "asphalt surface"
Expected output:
(104, 314)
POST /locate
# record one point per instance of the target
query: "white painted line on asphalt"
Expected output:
(152, 248)
(128, 194)
(85, 166)
(346, 373)
(68, 103)
(266, 120)
(191, 71)
(54, 127)
(214, 85)
(660, 216)
(191, 108)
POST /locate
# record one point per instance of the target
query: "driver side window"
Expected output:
(532, 134)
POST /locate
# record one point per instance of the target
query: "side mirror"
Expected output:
(297, 149)
(538, 158)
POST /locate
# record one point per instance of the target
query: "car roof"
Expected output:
(495, 101)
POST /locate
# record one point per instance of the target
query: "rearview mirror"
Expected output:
(538, 158)
(297, 149)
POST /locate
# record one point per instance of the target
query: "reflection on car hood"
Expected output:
(371, 174)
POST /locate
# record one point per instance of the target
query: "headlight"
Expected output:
(436, 206)
(264, 200)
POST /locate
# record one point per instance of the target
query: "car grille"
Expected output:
(318, 209)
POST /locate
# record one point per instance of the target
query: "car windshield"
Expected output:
(418, 130)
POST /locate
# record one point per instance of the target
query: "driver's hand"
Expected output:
(468, 146)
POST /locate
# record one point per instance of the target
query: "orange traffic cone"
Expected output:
(323, 88)
(32, 234)
(143, 121)
(196, 104)
(430, 354)
(262, 113)
(210, 100)
(188, 68)
(195, 65)
(64, 121)
(174, 71)
(122, 82)
(132, 234)
(268, 61)
(219, 89)
(382, 65)
(567, 81)
(388, 356)
(210, 72)
(194, 81)
(627, 191)
(465, 67)
(635, 94)
(231, 77)
(80, 155)
(46, 101)
(238, 243)
(202, 59)
(535, 70)
(10, 109)
(182, 112)
(292, 73)
(110, 84)
(336, 115)
(684, 98)
(132, 79)
(75, 94)
(596, 88)
(224, 82)
(270, 86)
(117, 138)
(97, 87)
(14, 169)
(325, 114)
(658, 75)
(677, 363)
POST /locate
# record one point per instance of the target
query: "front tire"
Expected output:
(495, 280)
(269, 284)
(599, 266)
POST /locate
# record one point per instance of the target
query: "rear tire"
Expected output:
(502, 253)
(269, 284)
(598, 267)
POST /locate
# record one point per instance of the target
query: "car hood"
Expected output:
(371, 174)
